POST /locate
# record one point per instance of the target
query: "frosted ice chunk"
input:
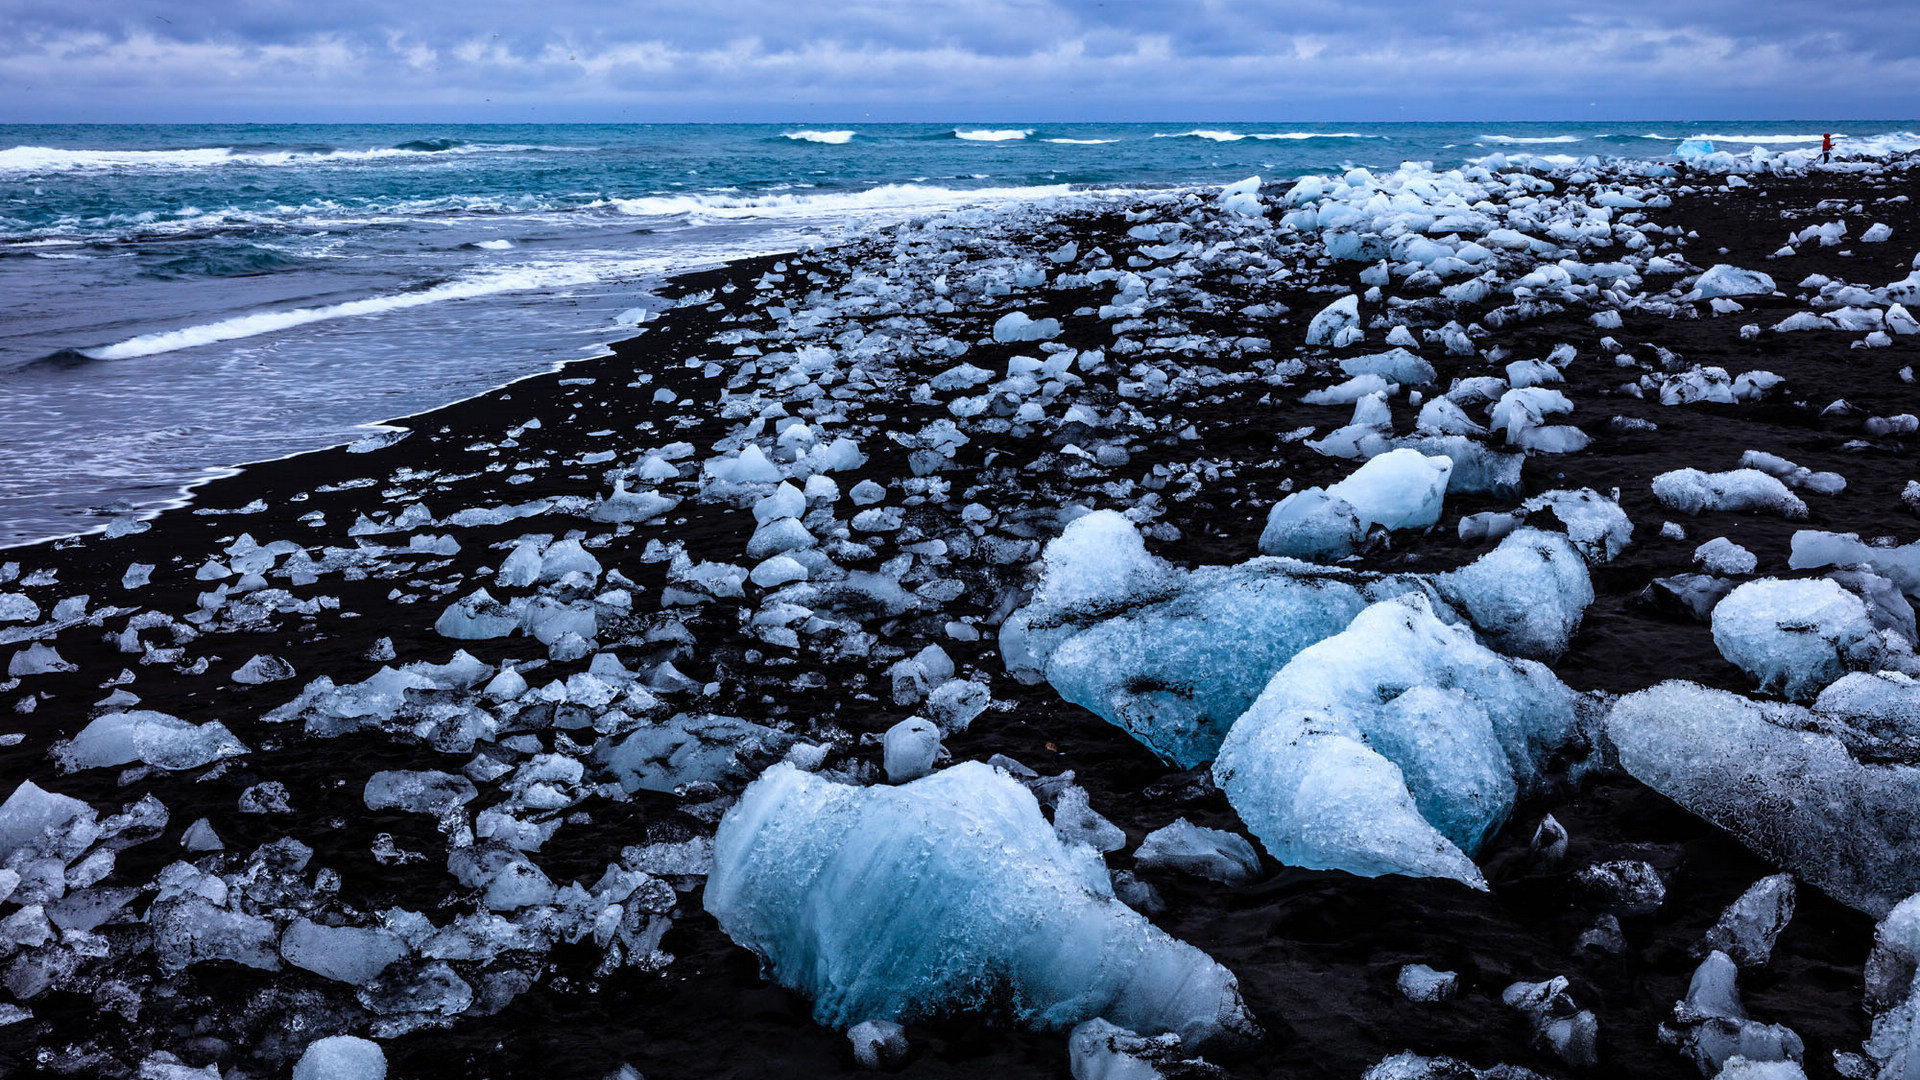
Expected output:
(1335, 322)
(1692, 491)
(1559, 1025)
(1098, 1050)
(624, 505)
(423, 792)
(1526, 597)
(155, 738)
(1018, 326)
(878, 1044)
(951, 892)
(1395, 365)
(1812, 548)
(1194, 849)
(1599, 529)
(1763, 772)
(341, 1057)
(1312, 524)
(1724, 280)
(1076, 821)
(1713, 1028)
(31, 813)
(476, 617)
(1883, 705)
(1748, 928)
(910, 748)
(1722, 556)
(1098, 559)
(348, 954)
(1418, 982)
(38, 659)
(1396, 746)
(189, 930)
(262, 669)
(1793, 637)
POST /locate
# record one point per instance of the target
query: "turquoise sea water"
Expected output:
(180, 299)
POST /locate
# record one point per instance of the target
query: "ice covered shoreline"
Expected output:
(485, 691)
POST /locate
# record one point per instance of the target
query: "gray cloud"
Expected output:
(171, 60)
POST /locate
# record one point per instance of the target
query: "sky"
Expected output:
(183, 61)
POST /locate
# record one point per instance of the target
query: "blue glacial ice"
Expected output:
(1174, 657)
(950, 893)
(1397, 746)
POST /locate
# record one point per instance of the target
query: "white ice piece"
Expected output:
(1793, 637)
(154, 738)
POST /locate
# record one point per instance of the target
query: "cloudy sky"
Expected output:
(1033, 60)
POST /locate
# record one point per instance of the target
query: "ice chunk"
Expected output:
(189, 929)
(1692, 491)
(262, 669)
(1793, 637)
(1396, 746)
(38, 659)
(1724, 280)
(1176, 671)
(1712, 1026)
(1901, 565)
(1098, 1050)
(476, 617)
(1337, 324)
(1193, 849)
(348, 954)
(878, 1044)
(1076, 822)
(1596, 525)
(341, 1057)
(1400, 489)
(1559, 1025)
(948, 893)
(1099, 559)
(910, 748)
(1018, 326)
(425, 792)
(1395, 365)
(32, 813)
(1763, 772)
(155, 738)
(1722, 556)
(1418, 982)
(1748, 928)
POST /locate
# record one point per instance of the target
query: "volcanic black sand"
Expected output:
(1316, 953)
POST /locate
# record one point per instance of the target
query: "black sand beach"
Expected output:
(1316, 953)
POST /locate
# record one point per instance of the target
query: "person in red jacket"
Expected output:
(1826, 148)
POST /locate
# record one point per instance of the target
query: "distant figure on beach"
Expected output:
(1826, 148)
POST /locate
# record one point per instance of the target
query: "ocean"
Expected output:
(183, 300)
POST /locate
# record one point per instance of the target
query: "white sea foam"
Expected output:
(514, 279)
(1081, 142)
(1209, 134)
(1520, 140)
(834, 138)
(992, 134)
(1297, 135)
(887, 197)
(48, 159)
(1751, 139)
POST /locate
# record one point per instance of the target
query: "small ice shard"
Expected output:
(949, 893)
(1077, 822)
(421, 792)
(878, 1044)
(154, 738)
(200, 837)
(262, 669)
(1400, 489)
(1748, 928)
(1336, 324)
(341, 1057)
(1098, 1050)
(1724, 280)
(1722, 556)
(1627, 886)
(1559, 1025)
(1711, 1026)
(1420, 983)
(38, 659)
(1193, 849)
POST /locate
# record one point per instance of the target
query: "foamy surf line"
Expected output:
(36, 159)
(885, 198)
(992, 134)
(833, 138)
(268, 322)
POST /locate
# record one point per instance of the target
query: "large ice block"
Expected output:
(946, 894)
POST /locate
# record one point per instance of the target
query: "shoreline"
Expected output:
(1315, 951)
